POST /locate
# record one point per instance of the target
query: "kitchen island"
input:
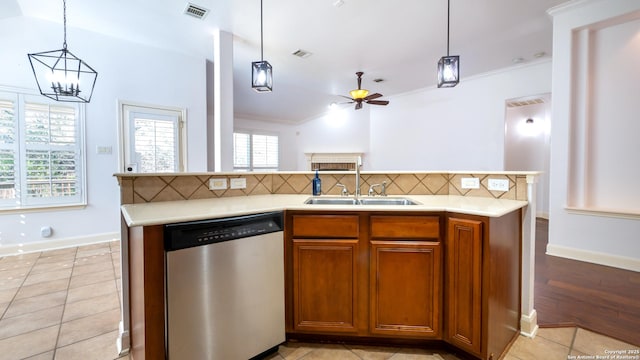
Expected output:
(463, 255)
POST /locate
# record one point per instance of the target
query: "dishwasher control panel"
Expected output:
(198, 233)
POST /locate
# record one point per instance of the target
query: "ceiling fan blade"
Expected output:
(373, 96)
(378, 102)
(347, 97)
(359, 105)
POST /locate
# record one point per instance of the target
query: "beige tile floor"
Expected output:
(64, 304)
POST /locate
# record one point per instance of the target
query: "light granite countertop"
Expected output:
(167, 212)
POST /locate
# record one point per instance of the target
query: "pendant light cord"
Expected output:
(448, 10)
(261, 37)
(64, 21)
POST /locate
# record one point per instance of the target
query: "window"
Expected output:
(255, 152)
(41, 157)
(153, 139)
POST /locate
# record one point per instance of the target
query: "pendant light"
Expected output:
(448, 66)
(61, 75)
(261, 71)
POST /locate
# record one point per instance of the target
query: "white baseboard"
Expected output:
(54, 244)
(617, 261)
(123, 341)
(529, 324)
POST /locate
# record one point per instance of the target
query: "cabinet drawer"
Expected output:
(405, 227)
(326, 226)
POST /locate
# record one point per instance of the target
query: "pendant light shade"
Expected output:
(448, 71)
(61, 75)
(359, 93)
(261, 71)
(261, 76)
(448, 66)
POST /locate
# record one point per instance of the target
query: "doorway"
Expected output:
(527, 138)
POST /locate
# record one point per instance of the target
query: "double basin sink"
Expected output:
(359, 201)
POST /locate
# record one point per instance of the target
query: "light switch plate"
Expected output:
(470, 183)
(499, 184)
(217, 184)
(239, 183)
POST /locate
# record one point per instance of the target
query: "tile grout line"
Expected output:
(64, 306)
(573, 340)
(13, 298)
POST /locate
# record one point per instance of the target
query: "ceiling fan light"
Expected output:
(448, 71)
(359, 93)
(261, 76)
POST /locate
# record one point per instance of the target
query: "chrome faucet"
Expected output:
(371, 191)
(382, 192)
(358, 164)
(344, 191)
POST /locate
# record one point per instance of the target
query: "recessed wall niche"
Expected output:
(605, 127)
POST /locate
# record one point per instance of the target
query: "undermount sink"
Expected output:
(360, 201)
(331, 201)
(387, 201)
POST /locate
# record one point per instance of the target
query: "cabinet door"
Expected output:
(464, 284)
(325, 285)
(405, 288)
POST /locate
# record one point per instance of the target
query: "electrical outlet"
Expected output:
(217, 184)
(239, 183)
(499, 184)
(470, 183)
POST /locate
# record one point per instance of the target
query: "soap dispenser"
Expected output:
(316, 185)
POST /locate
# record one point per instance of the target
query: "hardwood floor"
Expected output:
(595, 297)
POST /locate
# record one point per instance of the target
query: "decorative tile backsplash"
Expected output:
(139, 188)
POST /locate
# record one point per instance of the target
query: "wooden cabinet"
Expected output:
(482, 283)
(405, 276)
(146, 288)
(411, 276)
(464, 283)
(364, 274)
(326, 273)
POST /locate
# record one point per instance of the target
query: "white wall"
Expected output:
(428, 129)
(126, 71)
(460, 128)
(609, 239)
(342, 130)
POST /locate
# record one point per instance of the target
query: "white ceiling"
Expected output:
(399, 41)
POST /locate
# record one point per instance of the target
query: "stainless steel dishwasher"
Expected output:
(225, 287)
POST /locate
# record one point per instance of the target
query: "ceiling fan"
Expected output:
(360, 95)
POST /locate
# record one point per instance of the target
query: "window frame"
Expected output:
(22, 202)
(252, 167)
(125, 131)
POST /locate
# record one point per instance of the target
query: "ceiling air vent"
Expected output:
(196, 11)
(301, 53)
(518, 103)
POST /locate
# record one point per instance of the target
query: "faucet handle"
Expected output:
(344, 191)
(383, 191)
(371, 191)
